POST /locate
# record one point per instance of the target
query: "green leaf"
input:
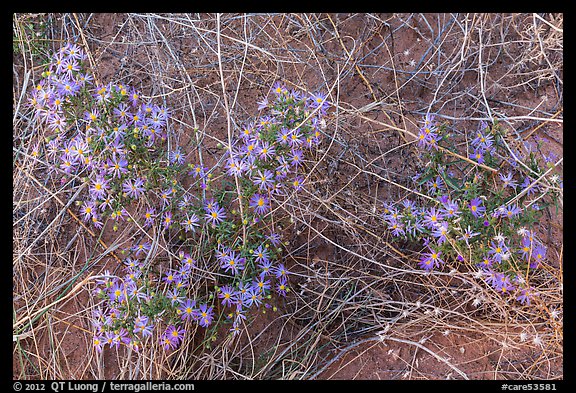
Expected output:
(451, 182)
(426, 178)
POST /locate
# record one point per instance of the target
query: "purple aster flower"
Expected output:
(216, 215)
(261, 284)
(122, 113)
(84, 78)
(174, 296)
(116, 292)
(102, 94)
(252, 297)
(427, 137)
(187, 262)
(68, 164)
(176, 157)
(430, 260)
(414, 227)
(502, 283)
(99, 187)
(467, 235)
(120, 336)
(88, 210)
(235, 167)
(98, 341)
(172, 337)
(166, 196)
(450, 209)
(396, 227)
(527, 182)
(119, 214)
(133, 96)
(80, 148)
(526, 295)
(261, 254)
(233, 263)
(56, 122)
(297, 182)
(259, 203)
(428, 120)
(167, 219)
(263, 104)
(118, 133)
(282, 170)
(295, 139)
(486, 262)
(186, 309)
(264, 180)
(226, 293)
(497, 250)
(283, 136)
(482, 141)
(526, 248)
(117, 166)
(250, 147)
(266, 151)
(170, 277)
(198, 171)
(432, 217)
(275, 239)
(508, 181)
(296, 157)
(440, 232)
(73, 51)
(538, 255)
(133, 189)
(204, 315)
(68, 87)
(282, 287)
(318, 100)
(240, 293)
(222, 252)
(97, 223)
(149, 217)
(248, 131)
(142, 325)
(476, 207)
(266, 267)
(511, 211)
(436, 185)
(391, 214)
(478, 156)
(279, 89)
(190, 223)
(140, 248)
(280, 271)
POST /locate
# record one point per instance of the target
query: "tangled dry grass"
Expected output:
(353, 285)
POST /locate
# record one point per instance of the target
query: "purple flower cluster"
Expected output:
(428, 135)
(113, 139)
(482, 144)
(115, 131)
(269, 150)
(474, 221)
(250, 294)
(247, 294)
(112, 321)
